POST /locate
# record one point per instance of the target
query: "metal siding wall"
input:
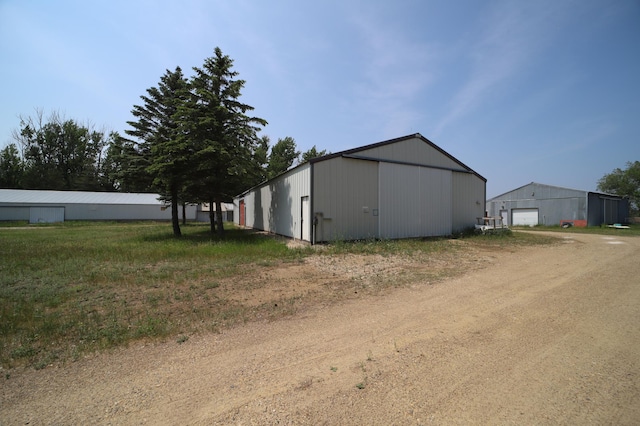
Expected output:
(236, 210)
(276, 206)
(343, 188)
(414, 201)
(436, 203)
(123, 212)
(554, 210)
(250, 207)
(400, 201)
(612, 211)
(14, 213)
(80, 211)
(469, 194)
(258, 208)
(46, 214)
(411, 151)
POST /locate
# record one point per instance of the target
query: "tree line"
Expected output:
(191, 140)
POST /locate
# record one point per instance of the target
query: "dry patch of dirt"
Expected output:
(325, 278)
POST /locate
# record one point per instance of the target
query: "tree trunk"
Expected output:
(175, 220)
(219, 218)
(212, 220)
(184, 213)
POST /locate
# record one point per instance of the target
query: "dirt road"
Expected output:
(545, 335)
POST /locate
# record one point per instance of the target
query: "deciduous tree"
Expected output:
(59, 153)
(313, 153)
(625, 183)
(283, 155)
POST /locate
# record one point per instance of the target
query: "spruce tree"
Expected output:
(169, 159)
(224, 137)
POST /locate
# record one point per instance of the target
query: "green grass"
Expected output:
(74, 288)
(634, 230)
(69, 289)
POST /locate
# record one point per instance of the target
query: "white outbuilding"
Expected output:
(38, 206)
(401, 188)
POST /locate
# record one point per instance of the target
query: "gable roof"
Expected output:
(352, 152)
(31, 196)
(555, 187)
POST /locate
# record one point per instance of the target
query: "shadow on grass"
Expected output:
(199, 234)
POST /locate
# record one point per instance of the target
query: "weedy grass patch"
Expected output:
(74, 288)
(633, 230)
(70, 289)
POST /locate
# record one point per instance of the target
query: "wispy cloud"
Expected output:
(510, 37)
(393, 75)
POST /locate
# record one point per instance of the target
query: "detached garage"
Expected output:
(401, 188)
(538, 204)
(38, 206)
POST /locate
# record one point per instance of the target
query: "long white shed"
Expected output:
(38, 206)
(401, 188)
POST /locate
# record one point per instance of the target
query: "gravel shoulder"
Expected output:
(541, 335)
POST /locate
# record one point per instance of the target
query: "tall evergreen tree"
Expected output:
(224, 137)
(169, 157)
(125, 165)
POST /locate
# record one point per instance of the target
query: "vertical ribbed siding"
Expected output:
(46, 214)
(412, 150)
(468, 200)
(436, 202)
(345, 199)
(276, 206)
(415, 201)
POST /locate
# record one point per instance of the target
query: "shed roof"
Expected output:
(29, 196)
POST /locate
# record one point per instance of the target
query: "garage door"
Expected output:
(525, 217)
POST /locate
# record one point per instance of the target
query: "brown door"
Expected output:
(242, 213)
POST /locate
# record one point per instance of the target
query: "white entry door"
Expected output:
(504, 214)
(305, 220)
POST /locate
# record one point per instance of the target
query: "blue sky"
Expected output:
(520, 91)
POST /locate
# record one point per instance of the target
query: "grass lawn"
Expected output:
(78, 287)
(634, 230)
